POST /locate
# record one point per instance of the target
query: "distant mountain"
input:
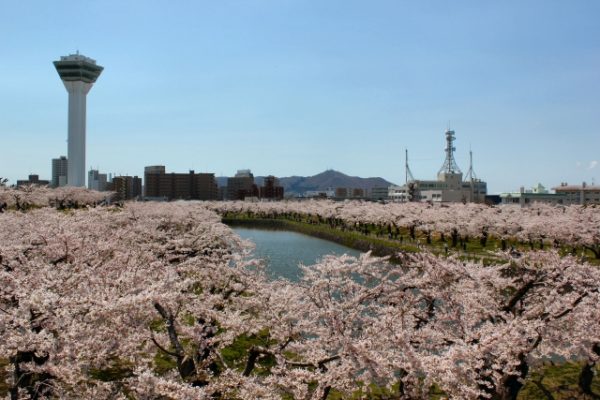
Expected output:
(329, 179)
(294, 185)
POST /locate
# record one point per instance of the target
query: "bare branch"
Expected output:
(162, 348)
(255, 352)
(170, 323)
(519, 294)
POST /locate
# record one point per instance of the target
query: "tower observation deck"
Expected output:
(78, 74)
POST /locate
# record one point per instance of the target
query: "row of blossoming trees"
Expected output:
(537, 226)
(160, 300)
(26, 197)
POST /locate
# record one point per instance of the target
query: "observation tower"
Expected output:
(78, 74)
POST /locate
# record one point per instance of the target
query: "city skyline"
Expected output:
(296, 88)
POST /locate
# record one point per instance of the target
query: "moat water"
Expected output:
(283, 251)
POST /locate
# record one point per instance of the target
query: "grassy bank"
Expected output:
(385, 239)
(355, 240)
(375, 241)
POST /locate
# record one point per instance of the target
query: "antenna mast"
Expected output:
(409, 176)
(471, 174)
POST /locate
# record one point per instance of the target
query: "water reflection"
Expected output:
(284, 250)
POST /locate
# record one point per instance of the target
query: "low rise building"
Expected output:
(33, 180)
(172, 186)
(125, 187)
(537, 194)
(328, 193)
(379, 194)
(583, 194)
(96, 180)
(271, 189)
(358, 193)
(341, 193)
(241, 186)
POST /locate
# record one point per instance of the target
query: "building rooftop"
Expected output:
(243, 173)
(530, 194)
(584, 187)
(78, 57)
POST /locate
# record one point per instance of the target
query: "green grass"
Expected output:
(561, 380)
(236, 354)
(163, 363)
(116, 370)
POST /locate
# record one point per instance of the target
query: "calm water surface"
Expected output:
(284, 250)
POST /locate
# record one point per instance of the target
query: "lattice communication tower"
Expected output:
(450, 166)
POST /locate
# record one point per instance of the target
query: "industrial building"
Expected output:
(160, 185)
(78, 73)
(449, 186)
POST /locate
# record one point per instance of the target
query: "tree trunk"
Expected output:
(512, 384)
(586, 376)
(37, 385)
(484, 238)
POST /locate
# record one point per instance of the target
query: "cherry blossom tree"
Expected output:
(161, 300)
(79, 291)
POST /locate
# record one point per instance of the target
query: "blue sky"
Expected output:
(289, 87)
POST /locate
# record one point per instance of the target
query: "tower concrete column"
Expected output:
(78, 74)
